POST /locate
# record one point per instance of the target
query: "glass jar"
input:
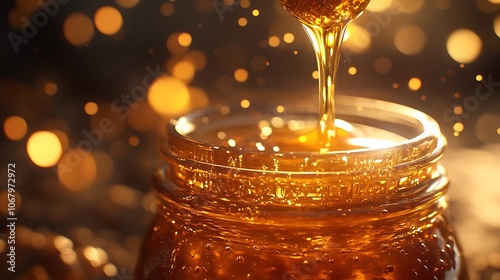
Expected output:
(245, 195)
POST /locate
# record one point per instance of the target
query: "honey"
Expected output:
(324, 13)
(249, 194)
(325, 22)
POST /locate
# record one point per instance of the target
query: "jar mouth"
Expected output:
(405, 136)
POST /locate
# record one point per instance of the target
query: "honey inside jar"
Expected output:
(248, 194)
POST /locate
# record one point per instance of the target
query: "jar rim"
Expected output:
(425, 144)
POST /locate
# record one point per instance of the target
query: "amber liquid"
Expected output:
(192, 250)
(325, 22)
(324, 13)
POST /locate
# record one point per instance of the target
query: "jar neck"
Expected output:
(399, 194)
(371, 184)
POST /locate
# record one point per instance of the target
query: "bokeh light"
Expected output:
(197, 58)
(379, 5)
(169, 96)
(199, 98)
(458, 127)
(414, 84)
(63, 138)
(204, 6)
(44, 148)
(91, 108)
(288, 38)
(15, 128)
(167, 9)
(124, 196)
(411, 6)
(245, 4)
(62, 243)
(487, 127)
(134, 141)
(410, 39)
(184, 70)
(464, 46)
(242, 22)
(174, 43)
(96, 256)
(241, 75)
(315, 74)
(15, 18)
(185, 39)
(66, 248)
(274, 41)
(108, 20)
(50, 88)
(357, 38)
(110, 270)
(142, 118)
(77, 170)
(245, 103)
(28, 6)
(127, 3)
(78, 29)
(496, 25)
(352, 70)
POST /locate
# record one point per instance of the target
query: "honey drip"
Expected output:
(325, 22)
